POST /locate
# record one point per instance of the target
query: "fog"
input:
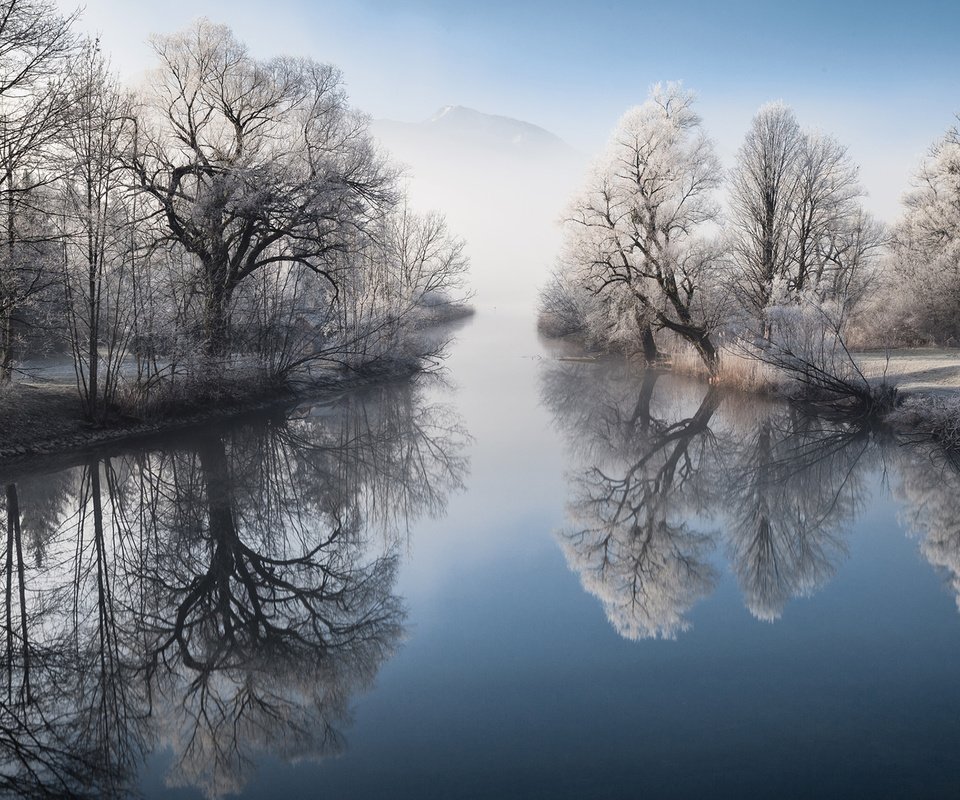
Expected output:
(503, 185)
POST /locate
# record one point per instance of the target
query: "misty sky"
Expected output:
(883, 77)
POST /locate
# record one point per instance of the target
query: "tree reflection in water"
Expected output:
(224, 599)
(929, 486)
(630, 538)
(794, 487)
(671, 474)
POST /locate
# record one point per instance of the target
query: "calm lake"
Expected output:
(534, 577)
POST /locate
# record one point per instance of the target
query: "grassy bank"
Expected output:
(924, 383)
(43, 418)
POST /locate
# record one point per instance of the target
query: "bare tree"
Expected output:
(395, 281)
(95, 213)
(640, 224)
(798, 225)
(429, 265)
(253, 164)
(806, 342)
(762, 189)
(562, 306)
(35, 41)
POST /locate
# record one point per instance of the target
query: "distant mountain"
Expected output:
(458, 126)
(501, 183)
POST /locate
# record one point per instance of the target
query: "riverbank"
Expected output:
(922, 384)
(44, 425)
(47, 419)
(43, 415)
(921, 371)
(917, 372)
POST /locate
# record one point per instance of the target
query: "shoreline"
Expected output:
(926, 381)
(78, 436)
(56, 452)
(26, 408)
(916, 372)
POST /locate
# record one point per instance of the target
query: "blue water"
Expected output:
(522, 669)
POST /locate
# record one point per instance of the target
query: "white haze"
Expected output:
(503, 185)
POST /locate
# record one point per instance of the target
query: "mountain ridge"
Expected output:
(457, 124)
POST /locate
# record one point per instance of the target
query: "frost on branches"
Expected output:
(637, 237)
(924, 287)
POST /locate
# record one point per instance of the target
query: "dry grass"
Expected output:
(35, 413)
(737, 372)
(196, 392)
(914, 371)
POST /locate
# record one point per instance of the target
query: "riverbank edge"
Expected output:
(932, 415)
(81, 436)
(85, 437)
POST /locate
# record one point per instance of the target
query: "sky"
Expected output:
(882, 77)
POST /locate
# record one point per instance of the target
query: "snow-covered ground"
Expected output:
(920, 370)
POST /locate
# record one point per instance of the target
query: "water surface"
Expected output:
(535, 578)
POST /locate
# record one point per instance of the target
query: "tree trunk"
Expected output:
(651, 353)
(216, 322)
(708, 352)
(694, 334)
(6, 346)
(6, 335)
(93, 352)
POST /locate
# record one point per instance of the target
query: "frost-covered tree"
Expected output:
(637, 235)
(923, 291)
(798, 226)
(804, 253)
(563, 305)
(429, 265)
(94, 221)
(402, 273)
(35, 43)
(409, 265)
(763, 187)
(253, 164)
